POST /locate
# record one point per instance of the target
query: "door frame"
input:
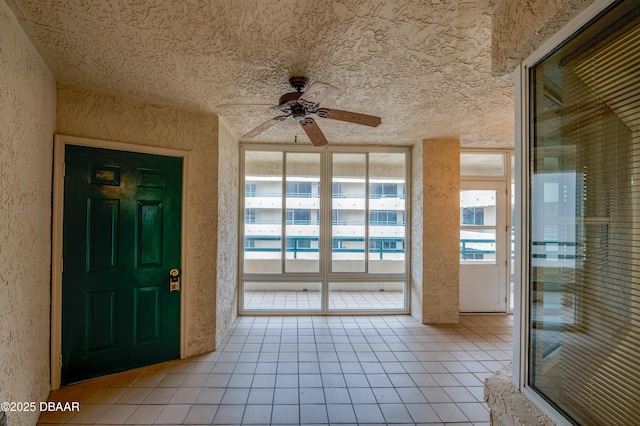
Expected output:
(502, 236)
(508, 175)
(60, 142)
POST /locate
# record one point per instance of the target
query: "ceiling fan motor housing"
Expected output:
(298, 82)
(290, 103)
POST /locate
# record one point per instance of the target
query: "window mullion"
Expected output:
(326, 209)
(366, 214)
(283, 226)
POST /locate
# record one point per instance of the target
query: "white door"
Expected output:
(483, 246)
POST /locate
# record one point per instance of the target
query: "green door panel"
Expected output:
(122, 218)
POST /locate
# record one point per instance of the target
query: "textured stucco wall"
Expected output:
(441, 231)
(521, 26)
(27, 120)
(509, 406)
(97, 115)
(227, 261)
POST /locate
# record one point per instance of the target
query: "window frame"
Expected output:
(325, 242)
(522, 204)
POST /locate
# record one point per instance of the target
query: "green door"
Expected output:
(121, 239)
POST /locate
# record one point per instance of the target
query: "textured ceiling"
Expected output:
(424, 67)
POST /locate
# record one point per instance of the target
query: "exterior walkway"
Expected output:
(322, 370)
(338, 300)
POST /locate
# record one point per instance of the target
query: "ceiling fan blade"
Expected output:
(313, 131)
(245, 106)
(264, 126)
(316, 92)
(350, 117)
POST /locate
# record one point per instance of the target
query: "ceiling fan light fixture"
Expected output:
(299, 113)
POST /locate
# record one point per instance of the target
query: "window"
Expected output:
(383, 217)
(473, 216)
(383, 190)
(299, 190)
(298, 217)
(384, 245)
(335, 217)
(584, 151)
(249, 215)
(482, 164)
(473, 256)
(298, 243)
(250, 190)
(336, 189)
(323, 230)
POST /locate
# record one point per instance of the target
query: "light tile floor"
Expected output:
(318, 370)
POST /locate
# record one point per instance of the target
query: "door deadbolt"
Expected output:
(174, 280)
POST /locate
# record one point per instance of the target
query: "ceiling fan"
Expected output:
(302, 103)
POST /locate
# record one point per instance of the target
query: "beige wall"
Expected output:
(417, 259)
(521, 26)
(27, 120)
(441, 231)
(97, 115)
(227, 261)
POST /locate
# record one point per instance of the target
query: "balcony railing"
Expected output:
(302, 195)
(377, 245)
(380, 245)
(371, 196)
(303, 222)
(334, 222)
(386, 222)
(465, 250)
(254, 194)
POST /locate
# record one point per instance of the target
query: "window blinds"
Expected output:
(584, 348)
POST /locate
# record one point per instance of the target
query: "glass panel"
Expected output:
(263, 212)
(387, 228)
(584, 215)
(274, 225)
(512, 243)
(348, 212)
(303, 212)
(366, 295)
(478, 246)
(478, 207)
(482, 164)
(281, 296)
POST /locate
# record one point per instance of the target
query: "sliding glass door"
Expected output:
(324, 231)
